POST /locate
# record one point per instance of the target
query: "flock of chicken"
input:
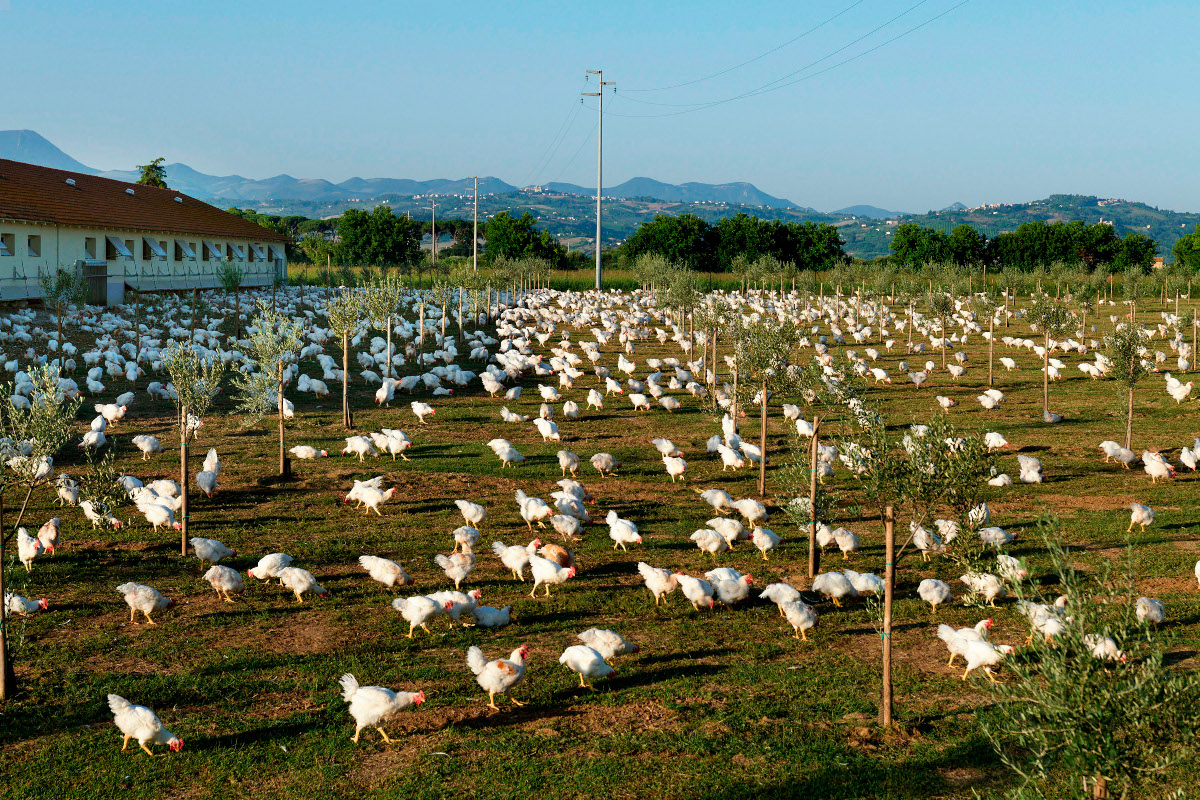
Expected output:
(548, 319)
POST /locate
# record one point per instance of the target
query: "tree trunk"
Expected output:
(237, 313)
(889, 578)
(1100, 788)
(183, 487)
(8, 680)
(1046, 377)
(284, 463)
(762, 444)
(814, 552)
(387, 370)
(347, 415)
(943, 341)
(991, 344)
(1129, 420)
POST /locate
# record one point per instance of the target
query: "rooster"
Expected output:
(500, 676)
(139, 722)
(371, 706)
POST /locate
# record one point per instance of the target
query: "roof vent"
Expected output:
(178, 199)
(70, 181)
(129, 191)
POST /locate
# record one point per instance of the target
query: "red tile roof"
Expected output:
(32, 193)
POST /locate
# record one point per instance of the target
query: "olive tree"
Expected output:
(762, 347)
(61, 290)
(32, 434)
(1111, 726)
(1125, 347)
(380, 300)
(231, 277)
(197, 378)
(346, 311)
(273, 343)
(1052, 320)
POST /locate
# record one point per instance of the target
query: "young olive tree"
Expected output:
(346, 311)
(1125, 347)
(942, 306)
(380, 302)
(32, 434)
(231, 277)
(274, 341)
(197, 380)
(1111, 726)
(1053, 320)
(762, 348)
(61, 290)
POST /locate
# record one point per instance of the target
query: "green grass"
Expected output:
(716, 705)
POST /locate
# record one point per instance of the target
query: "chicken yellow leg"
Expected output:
(383, 733)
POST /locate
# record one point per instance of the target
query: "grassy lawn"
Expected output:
(716, 704)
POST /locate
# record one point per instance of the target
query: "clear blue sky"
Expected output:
(995, 102)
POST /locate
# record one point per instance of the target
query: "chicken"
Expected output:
(835, 586)
(864, 582)
(488, 617)
(609, 644)
(558, 554)
(210, 550)
(984, 584)
(457, 603)
(934, 592)
(417, 611)
(206, 481)
(111, 413)
(300, 581)
(15, 604)
(305, 452)
(48, 535)
(661, 582)
(1043, 619)
(533, 509)
(28, 548)
(764, 539)
(360, 446)
(473, 513)
(718, 499)
(698, 592)
(800, 615)
(1151, 610)
(994, 441)
(751, 510)
(515, 557)
(147, 444)
(926, 541)
(1010, 569)
(465, 537)
(710, 541)
(1103, 648)
(371, 498)
(457, 566)
(729, 589)
(224, 581)
(588, 663)
(500, 676)
(846, 541)
(385, 571)
(676, 467)
(731, 530)
(270, 566)
(140, 723)
(779, 593)
(621, 531)
(605, 464)
(144, 599)
(547, 573)
(371, 706)
(984, 654)
(568, 462)
(1157, 467)
(1031, 469)
(956, 640)
(422, 410)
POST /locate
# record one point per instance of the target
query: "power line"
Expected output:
(560, 137)
(561, 130)
(756, 58)
(806, 67)
(776, 84)
(571, 163)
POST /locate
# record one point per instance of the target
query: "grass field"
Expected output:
(717, 704)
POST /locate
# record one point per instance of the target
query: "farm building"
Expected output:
(121, 236)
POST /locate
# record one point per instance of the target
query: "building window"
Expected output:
(8, 244)
(89, 247)
(35, 246)
(184, 250)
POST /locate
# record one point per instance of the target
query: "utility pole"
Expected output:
(475, 231)
(599, 95)
(433, 231)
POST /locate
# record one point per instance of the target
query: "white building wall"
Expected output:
(63, 247)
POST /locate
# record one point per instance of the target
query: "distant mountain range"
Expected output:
(870, 212)
(31, 147)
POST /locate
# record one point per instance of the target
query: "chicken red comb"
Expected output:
(43, 604)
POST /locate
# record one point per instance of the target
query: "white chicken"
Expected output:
(800, 615)
(371, 706)
(661, 582)
(300, 582)
(141, 724)
(698, 592)
(586, 662)
(210, 550)
(548, 573)
(934, 592)
(500, 676)
(145, 599)
(609, 644)
(385, 571)
(224, 581)
(516, 557)
(418, 611)
(622, 531)
(270, 566)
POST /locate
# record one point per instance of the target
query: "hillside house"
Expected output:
(121, 236)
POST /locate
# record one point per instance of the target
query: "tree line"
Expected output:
(1031, 245)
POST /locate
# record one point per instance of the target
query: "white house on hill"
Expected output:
(121, 236)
